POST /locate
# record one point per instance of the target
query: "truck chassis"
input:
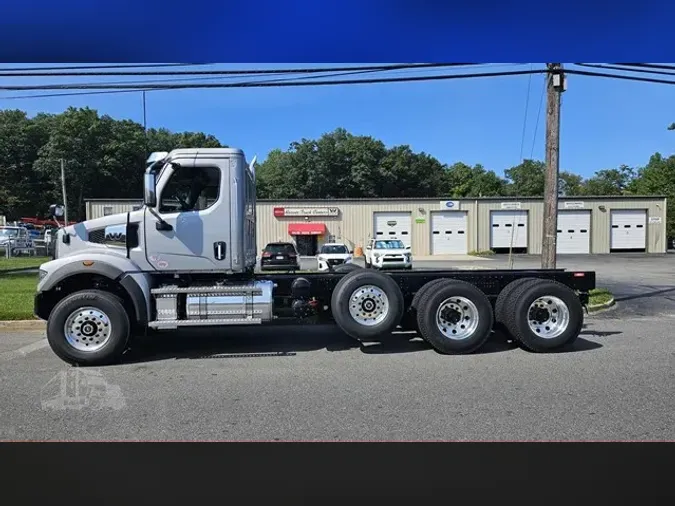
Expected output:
(94, 321)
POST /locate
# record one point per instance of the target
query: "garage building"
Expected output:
(434, 227)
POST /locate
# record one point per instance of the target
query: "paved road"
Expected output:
(300, 383)
(290, 383)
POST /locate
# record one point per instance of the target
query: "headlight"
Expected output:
(41, 274)
(320, 258)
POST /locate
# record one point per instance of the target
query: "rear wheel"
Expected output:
(546, 315)
(367, 304)
(347, 268)
(90, 327)
(455, 317)
(504, 302)
(409, 321)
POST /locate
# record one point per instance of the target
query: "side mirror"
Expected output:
(149, 193)
(56, 211)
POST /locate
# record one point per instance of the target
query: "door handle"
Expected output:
(219, 249)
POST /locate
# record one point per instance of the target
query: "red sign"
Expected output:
(306, 229)
(279, 212)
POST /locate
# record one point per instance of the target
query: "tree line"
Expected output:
(104, 158)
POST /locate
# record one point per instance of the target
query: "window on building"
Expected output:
(107, 210)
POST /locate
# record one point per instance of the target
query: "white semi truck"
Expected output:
(188, 258)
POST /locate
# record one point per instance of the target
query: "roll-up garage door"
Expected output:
(448, 233)
(508, 229)
(574, 232)
(393, 225)
(629, 229)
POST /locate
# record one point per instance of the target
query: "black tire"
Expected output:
(105, 302)
(517, 320)
(347, 268)
(504, 304)
(409, 321)
(341, 301)
(432, 300)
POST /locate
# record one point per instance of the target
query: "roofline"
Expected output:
(424, 199)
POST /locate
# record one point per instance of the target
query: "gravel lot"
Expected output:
(300, 383)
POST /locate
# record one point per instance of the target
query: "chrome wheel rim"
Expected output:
(457, 318)
(87, 329)
(368, 305)
(548, 317)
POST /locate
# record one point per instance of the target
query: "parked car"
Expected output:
(333, 254)
(15, 238)
(388, 254)
(279, 256)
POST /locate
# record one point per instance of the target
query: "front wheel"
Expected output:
(90, 327)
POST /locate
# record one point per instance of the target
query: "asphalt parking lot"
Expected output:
(301, 383)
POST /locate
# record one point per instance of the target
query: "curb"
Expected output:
(599, 307)
(25, 270)
(22, 325)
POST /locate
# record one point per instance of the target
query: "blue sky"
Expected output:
(605, 122)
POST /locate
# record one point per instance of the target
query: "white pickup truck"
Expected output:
(388, 254)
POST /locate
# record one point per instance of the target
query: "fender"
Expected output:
(113, 267)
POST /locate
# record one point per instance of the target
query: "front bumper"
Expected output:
(392, 263)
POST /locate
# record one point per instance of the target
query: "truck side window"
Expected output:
(191, 189)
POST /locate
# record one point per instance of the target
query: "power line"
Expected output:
(259, 84)
(619, 76)
(314, 70)
(96, 67)
(613, 67)
(140, 89)
(536, 125)
(527, 106)
(646, 65)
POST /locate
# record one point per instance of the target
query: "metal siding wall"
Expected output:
(354, 225)
(600, 222)
(94, 209)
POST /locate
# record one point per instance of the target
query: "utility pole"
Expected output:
(63, 189)
(554, 87)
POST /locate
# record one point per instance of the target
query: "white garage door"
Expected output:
(448, 233)
(629, 229)
(508, 229)
(574, 232)
(393, 225)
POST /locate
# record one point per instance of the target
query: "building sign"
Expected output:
(299, 212)
(654, 219)
(574, 205)
(420, 219)
(510, 205)
(449, 204)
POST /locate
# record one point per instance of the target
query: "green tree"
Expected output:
(461, 180)
(610, 182)
(20, 141)
(658, 178)
(526, 179)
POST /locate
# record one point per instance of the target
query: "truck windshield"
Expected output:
(334, 249)
(7, 233)
(389, 245)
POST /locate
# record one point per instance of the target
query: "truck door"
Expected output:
(191, 228)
